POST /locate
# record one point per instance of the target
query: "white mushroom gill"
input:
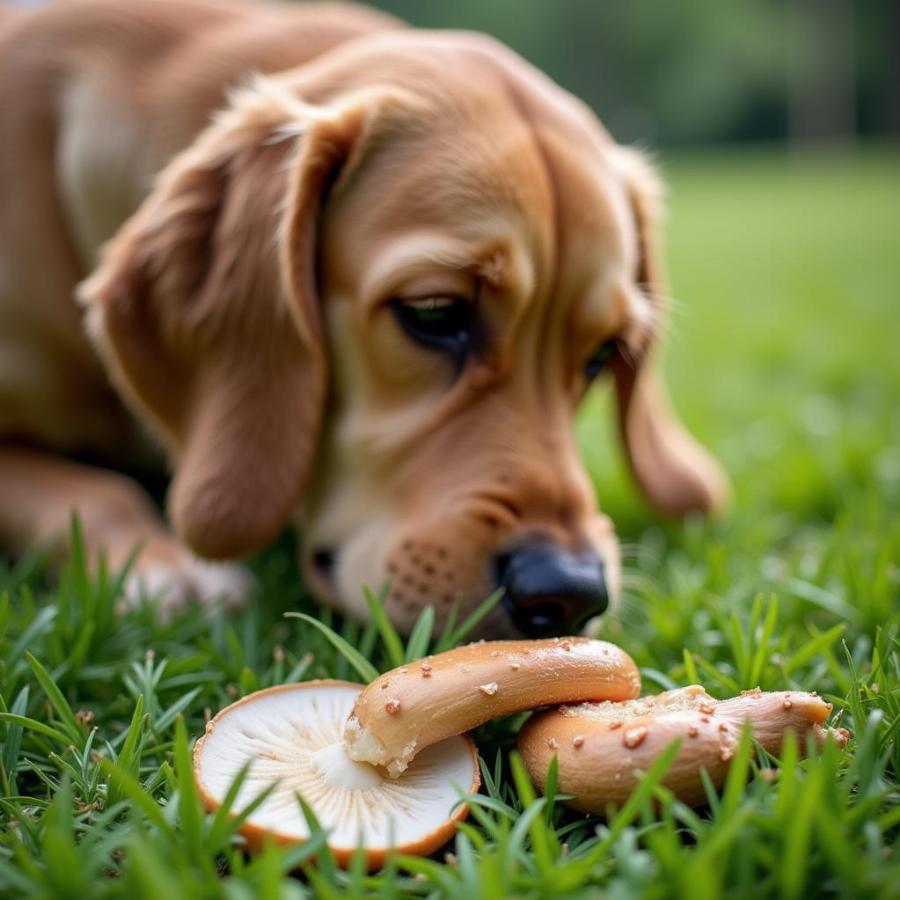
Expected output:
(292, 738)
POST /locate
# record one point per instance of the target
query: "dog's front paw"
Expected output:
(171, 583)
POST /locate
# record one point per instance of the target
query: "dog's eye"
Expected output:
(444, 323)
(599, 359)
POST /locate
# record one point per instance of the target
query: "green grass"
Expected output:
(785, 363)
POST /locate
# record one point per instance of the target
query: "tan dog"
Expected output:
(362, 290)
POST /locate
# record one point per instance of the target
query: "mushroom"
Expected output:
(600, 747)
(291, 738)
(408, 709)
(383, 766)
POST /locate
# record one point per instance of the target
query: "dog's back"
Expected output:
(7, 13)
(95, 97)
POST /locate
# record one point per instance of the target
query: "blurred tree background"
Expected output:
(698, 71)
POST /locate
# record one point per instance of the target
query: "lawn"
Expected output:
(783, 359)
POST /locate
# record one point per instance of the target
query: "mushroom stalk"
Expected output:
(601, 747)
(412, 707)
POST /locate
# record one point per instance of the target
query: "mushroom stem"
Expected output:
(410, 708)
(601, 747)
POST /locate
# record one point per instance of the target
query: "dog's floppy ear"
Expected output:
(204, 308)
(673, 470)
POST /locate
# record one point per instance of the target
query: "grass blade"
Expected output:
(389, 637)
(13, 742)
(459, 634)
(189, 807)
(131, 789)
(363, 667)
(33, 725)
(57, 700)
(420, 637)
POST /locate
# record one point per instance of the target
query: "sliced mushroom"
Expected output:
(408, 709)
(600, 747)
(291, 737)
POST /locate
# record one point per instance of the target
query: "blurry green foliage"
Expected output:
(685, 71)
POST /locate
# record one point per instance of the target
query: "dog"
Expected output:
(339, 273)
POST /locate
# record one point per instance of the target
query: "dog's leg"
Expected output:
(40, 491)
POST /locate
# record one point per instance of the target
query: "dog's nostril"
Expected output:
(323, 561)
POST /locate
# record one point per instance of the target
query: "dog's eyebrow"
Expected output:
(493, 259)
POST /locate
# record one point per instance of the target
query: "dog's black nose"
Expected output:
(551, 591)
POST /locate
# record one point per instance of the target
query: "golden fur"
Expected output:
(262, 180)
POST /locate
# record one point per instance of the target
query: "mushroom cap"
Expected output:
(600, 747)
(421, 703)
(291, 737)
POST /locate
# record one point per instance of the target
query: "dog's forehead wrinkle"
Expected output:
(422, 255)
(463, 181)
(458, 169)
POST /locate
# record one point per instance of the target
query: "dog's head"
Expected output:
(369, 298)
